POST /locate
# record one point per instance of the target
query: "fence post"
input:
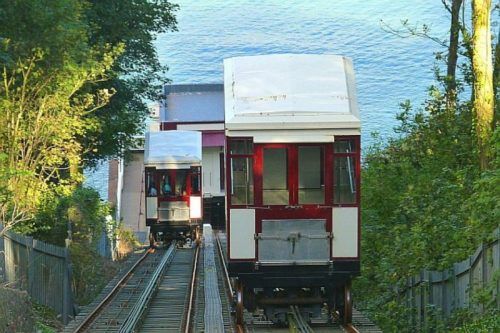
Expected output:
(430, 305)
(409, 283)
(484, 280)
(444, 294)
(3, 276)
(30, 255)
(66, 286)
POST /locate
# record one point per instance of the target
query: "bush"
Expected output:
(16, 314)
(91, 272)
(126, 241)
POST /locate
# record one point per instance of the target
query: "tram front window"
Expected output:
(180, 182)
(274, 178)
(311, 178)
(165, 185)
(195, 180)
(152, 190)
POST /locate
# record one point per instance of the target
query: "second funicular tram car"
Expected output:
(172, 161)
(293, 164)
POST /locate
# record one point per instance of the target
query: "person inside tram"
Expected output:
(166, 188)
(152, 190)
(180, 183)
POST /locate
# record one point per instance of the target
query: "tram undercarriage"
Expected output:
(182, 234)
(321, 297)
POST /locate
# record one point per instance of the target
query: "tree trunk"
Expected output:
(496, 80)
(482, 68)
(451, 84)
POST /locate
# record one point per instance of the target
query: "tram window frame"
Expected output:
(275, 181)
(151, 178)
(195, 181)
(222, 172)
(244, 150)
(347, 149)
(304, 191)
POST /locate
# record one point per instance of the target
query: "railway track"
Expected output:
(169, 310)
(115, 308)
(186, 290)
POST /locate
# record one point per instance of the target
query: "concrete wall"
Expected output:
(211, 171)
(132, 208)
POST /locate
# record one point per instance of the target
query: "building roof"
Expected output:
(188, 103)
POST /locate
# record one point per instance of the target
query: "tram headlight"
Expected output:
(195, 207)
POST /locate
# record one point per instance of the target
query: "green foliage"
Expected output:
(53, 26)
(127, 241)
(46, 319)
(16, 314)
(91, 272)
(483, 323)
(42, 115)
(62, 61)
(423, 192)
(137, 75)
(82, 212)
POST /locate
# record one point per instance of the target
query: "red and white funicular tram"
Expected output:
(172, 161)
(293, 164)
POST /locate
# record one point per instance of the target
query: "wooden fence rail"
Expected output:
(436, 294)
(42, 269)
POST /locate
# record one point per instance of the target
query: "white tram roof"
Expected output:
(172, 149)
(290, 97)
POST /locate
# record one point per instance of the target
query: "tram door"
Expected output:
(293, 188)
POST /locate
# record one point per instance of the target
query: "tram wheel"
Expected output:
(197, 235)
(151, 240)
(341, 302)
(347, 303)
(239, 303)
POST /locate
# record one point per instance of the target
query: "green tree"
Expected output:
(425, 190)
(43, 111)
(482, 65)
(136, 76)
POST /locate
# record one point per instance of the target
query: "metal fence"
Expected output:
(42, 269)
(437, 294)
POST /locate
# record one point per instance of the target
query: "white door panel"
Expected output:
(345, 232)
(241, 234)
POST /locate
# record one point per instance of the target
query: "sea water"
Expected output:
(389, 69)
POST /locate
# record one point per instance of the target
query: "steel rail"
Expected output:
(226, 274)
(91, 316)
(302, 326)
(140, 306)
(350, 328)
(192, 291)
